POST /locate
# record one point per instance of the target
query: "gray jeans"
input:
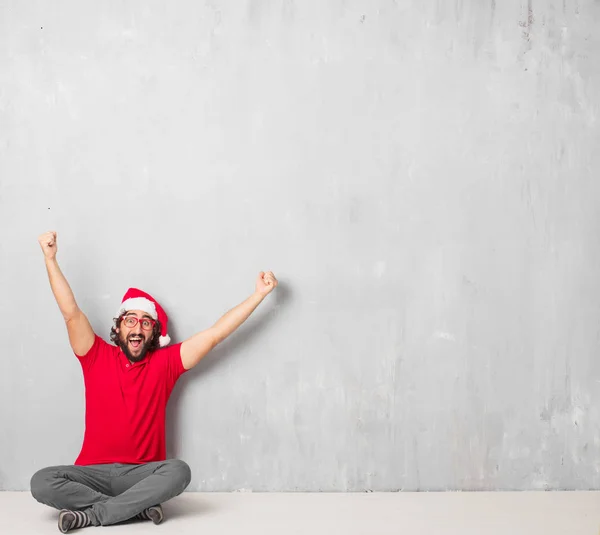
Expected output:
(110, 493)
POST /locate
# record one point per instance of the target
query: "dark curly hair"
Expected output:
(154, 342)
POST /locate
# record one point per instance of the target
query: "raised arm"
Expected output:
(81, 334)
(196, 347)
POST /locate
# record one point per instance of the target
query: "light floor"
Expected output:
(449, 513)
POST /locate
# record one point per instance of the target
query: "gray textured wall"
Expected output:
(422, 177)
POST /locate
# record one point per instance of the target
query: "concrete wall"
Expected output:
(423, 177)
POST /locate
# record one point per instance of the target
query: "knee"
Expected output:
(41, 485)
(182, 473)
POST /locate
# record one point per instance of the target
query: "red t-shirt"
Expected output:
(126, 404)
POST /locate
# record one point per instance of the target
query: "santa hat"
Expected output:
(135, 299)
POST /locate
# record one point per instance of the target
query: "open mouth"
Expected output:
(136, 341)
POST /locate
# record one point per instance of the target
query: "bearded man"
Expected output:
(122, 471)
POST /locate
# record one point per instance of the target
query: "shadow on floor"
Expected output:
(188, 506)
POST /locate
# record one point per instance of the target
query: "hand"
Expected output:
(266, 283)
(48, 244)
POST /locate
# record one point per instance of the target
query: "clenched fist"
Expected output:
(47, 242)
(266, 282)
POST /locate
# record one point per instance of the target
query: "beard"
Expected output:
(123, 344)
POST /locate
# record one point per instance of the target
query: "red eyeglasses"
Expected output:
(146, 323)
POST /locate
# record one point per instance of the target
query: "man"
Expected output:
(122, 471)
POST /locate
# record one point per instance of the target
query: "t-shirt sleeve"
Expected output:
(172, 361)
(88, 360)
